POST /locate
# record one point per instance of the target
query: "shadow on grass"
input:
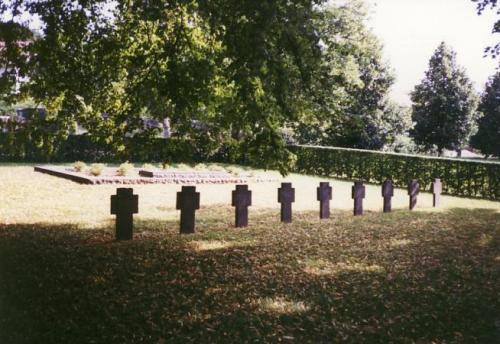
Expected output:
(399, 277)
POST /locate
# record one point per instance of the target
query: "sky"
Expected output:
(411, 30)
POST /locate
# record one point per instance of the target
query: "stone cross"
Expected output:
(124, 205)
(387, 193)
(286, 196)
(413, 191)
(242, 199)
(324, 195)
(358, 193)
(437, 188)
(188, 200)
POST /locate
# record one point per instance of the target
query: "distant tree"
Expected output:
(444, 104)
(481, 6)
(487, 139)
(360, 114)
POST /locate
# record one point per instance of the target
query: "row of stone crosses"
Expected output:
(124, 204)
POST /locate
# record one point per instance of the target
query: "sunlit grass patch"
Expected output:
(203, 245)
(399, 242)
(324, 267)
(280, 305)
(485, 240)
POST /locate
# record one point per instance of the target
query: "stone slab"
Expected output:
(177, 177)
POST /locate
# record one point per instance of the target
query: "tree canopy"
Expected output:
(444, 104)
(359, 114)
(248, 67)
(487, 138)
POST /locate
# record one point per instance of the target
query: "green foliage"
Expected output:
(96, 169)
(125, 169)
(212, 67)
(79, 166)
(460, 177)
(359, 112)
(487, 138)
(444, 104)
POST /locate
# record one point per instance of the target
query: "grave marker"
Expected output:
(324, 195)
(413, 191)
(437, 188)
(286, 196)
(358, 193)
(124, 205)
(387, 193)
(188, 201)
(241, 199)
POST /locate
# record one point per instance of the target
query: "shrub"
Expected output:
(183, 167)
(460, 177)
(200, 167)
(96, 169)
(148, 167)
(165, 165)
(236, 171)
(79, 166)
(125, 169)
(216, 168)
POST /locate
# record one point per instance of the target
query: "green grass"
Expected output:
(430, 276)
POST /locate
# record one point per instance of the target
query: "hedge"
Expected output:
(82, 147)
(460, 177)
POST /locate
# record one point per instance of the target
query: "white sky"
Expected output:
(411, 30)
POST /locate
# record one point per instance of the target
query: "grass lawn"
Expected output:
(429, 276)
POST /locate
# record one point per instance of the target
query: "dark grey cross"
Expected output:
(437, 188)
(413, 191)
(242, 199)
(286, 196)
(358, 193)
(188, 201)
(124, 205)
(387, 193)
(324, 195)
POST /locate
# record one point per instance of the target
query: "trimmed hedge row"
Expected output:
(460, 177)
(83, 148)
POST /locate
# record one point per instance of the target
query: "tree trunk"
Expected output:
(459, 153)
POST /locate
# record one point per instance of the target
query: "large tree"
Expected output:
(360, 115)
(487, 138)
(444, 104)
(239, 66)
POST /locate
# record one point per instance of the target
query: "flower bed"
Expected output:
(144, 176)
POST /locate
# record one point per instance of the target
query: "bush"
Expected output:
(165, 165)
(79, 166)
(96, 169)
(216, 168)
(148, 167)
(183, 167)
(236, 171)
(125, 169)
(460, 177)
(201, 167)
